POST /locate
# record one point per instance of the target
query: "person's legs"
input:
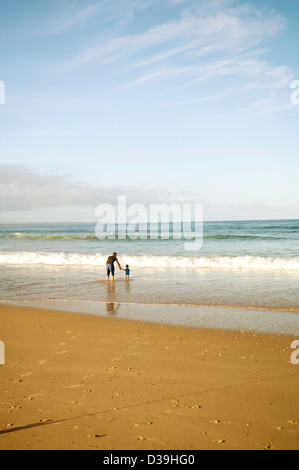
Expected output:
(109, 270)
(112, 273)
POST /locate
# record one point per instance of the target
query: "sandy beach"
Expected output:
(74, 381)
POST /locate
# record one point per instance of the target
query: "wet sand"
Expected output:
(77, 381)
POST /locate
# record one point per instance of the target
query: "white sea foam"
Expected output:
(79, 259)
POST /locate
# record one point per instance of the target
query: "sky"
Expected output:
(185, 101)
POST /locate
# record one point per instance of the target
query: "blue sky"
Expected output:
(162, 101)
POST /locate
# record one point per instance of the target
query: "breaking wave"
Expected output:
(150, 261)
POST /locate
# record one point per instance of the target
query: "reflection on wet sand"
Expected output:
(110, 307)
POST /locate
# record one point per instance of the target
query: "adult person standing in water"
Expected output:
(110, 266)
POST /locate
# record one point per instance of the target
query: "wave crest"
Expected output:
(150, 261)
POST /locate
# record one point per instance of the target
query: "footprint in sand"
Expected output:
(72, 386)
(150, 439)
(31, 397)
(220, 441)
(268, 447)
(15, 408)
(112, 369)
(27, 375)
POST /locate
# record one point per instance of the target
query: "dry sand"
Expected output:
(76, 381)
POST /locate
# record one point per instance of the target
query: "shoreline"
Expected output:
(240, 307)
(271, 321)
(92, 382)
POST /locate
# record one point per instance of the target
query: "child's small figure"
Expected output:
(127, 271)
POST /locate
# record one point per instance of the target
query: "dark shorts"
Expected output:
(110, 269)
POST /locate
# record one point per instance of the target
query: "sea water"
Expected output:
(248, 265)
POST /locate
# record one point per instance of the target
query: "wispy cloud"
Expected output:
(202, 43)
(202, 30)
(82, 15)
(184, 51)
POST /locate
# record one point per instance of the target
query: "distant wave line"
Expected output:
(143, 235)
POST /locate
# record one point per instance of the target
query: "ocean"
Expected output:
(244, 275)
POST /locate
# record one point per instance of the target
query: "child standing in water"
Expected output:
(127, 271)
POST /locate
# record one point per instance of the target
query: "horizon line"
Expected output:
(95, 222)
